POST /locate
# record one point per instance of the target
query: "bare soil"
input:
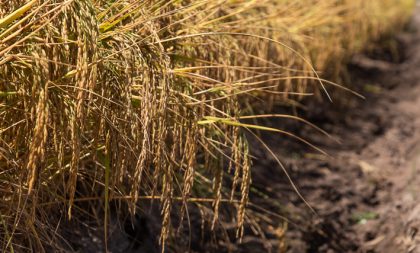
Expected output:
(366, 193)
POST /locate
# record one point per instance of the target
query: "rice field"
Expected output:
(106, 105)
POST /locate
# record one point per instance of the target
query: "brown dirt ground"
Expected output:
(366, 193)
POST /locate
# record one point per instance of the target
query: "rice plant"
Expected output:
(129, 101)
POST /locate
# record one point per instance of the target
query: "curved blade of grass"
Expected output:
(286, 116)
(210, 120)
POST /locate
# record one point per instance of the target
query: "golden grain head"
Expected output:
(130, 100)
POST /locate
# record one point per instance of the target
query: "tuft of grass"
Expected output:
(105, 101)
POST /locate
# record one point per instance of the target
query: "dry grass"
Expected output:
(130, 100)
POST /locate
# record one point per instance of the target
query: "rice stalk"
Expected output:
(130, 101)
